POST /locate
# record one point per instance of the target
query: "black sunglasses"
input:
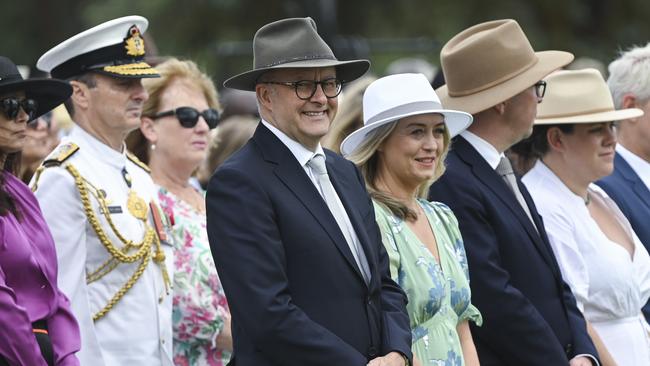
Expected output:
(11, 106)
(189, 117)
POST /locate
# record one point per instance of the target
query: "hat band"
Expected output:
(297, 59)
(580, 113)
(10, 78)
(405, 110)
(498, 81)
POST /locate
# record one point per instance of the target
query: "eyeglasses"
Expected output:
(305, 89)
(189, 117)
(46, 118)
(10, 107)
(540, 90)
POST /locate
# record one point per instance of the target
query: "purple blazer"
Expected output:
(28, 287)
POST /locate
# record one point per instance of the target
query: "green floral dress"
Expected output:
(438, 294)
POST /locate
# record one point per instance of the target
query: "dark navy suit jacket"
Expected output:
(633, 198)
(530, 315)
(295, 292)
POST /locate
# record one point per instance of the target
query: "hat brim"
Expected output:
(608, 116)
(455, 121)
(547, 62)
(346, 71)
(48, 93)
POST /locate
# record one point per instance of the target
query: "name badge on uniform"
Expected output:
(115, 209)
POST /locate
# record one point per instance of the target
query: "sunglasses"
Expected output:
(11, 107)
(540, 90)
(189, 117)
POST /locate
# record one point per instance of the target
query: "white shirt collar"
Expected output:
(98, 149)
(640, 166)
(302, 154)
(542, 175)
(484, 148)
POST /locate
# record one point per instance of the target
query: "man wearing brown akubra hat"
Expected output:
(530, 315)
(291, 227)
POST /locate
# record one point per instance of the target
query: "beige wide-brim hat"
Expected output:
(393, 97)
(492, 62)
(579, 96)
(293, 43)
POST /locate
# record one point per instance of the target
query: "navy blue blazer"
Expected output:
(295, 292)
(633, 198)
(530, 315)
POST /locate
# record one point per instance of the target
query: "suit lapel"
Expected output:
(344, 186)
(630, 175)
(495, 183)
(289, 171)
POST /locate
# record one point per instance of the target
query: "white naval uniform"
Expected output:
(138, 329)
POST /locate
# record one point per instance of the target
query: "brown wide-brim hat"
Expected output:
(579, 96)
(293, 43)
(492, 62)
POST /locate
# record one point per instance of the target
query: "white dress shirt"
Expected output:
(610, 286)
(138, 329)
(304, 155)
(491, 155)
(640, 166)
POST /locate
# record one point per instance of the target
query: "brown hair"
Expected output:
(229, 137)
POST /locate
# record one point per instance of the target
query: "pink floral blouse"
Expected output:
(199, 304)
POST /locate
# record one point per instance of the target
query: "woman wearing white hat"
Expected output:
(600, 256)
(401, 151)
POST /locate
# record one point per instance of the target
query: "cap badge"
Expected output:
(133, 43)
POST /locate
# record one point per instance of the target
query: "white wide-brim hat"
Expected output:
(397, 96)
(579, 96)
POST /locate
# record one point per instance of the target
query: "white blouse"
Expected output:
(610, 286)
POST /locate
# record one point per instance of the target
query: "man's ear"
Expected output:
(500, 108)
(80, 95)
(263, 93)
(630, 101)
(147, 127)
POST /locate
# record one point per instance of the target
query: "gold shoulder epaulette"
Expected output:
(60, 154)
(138, 162)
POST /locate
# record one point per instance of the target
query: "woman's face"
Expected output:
(589, 150)
(12, 131)
(413, 150)
(175, 143)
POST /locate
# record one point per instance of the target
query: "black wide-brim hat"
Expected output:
(48, 93)
(293, 43)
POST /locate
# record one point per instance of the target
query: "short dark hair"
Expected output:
(87, 78)
(536, 146)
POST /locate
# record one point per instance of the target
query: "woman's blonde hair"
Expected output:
(170, 70)
(365, 156)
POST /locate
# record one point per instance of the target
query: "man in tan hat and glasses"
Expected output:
(530, 315)
(291, 226)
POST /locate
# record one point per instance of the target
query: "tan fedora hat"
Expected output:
(491, 62)
(293, 43)
(579, 96)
